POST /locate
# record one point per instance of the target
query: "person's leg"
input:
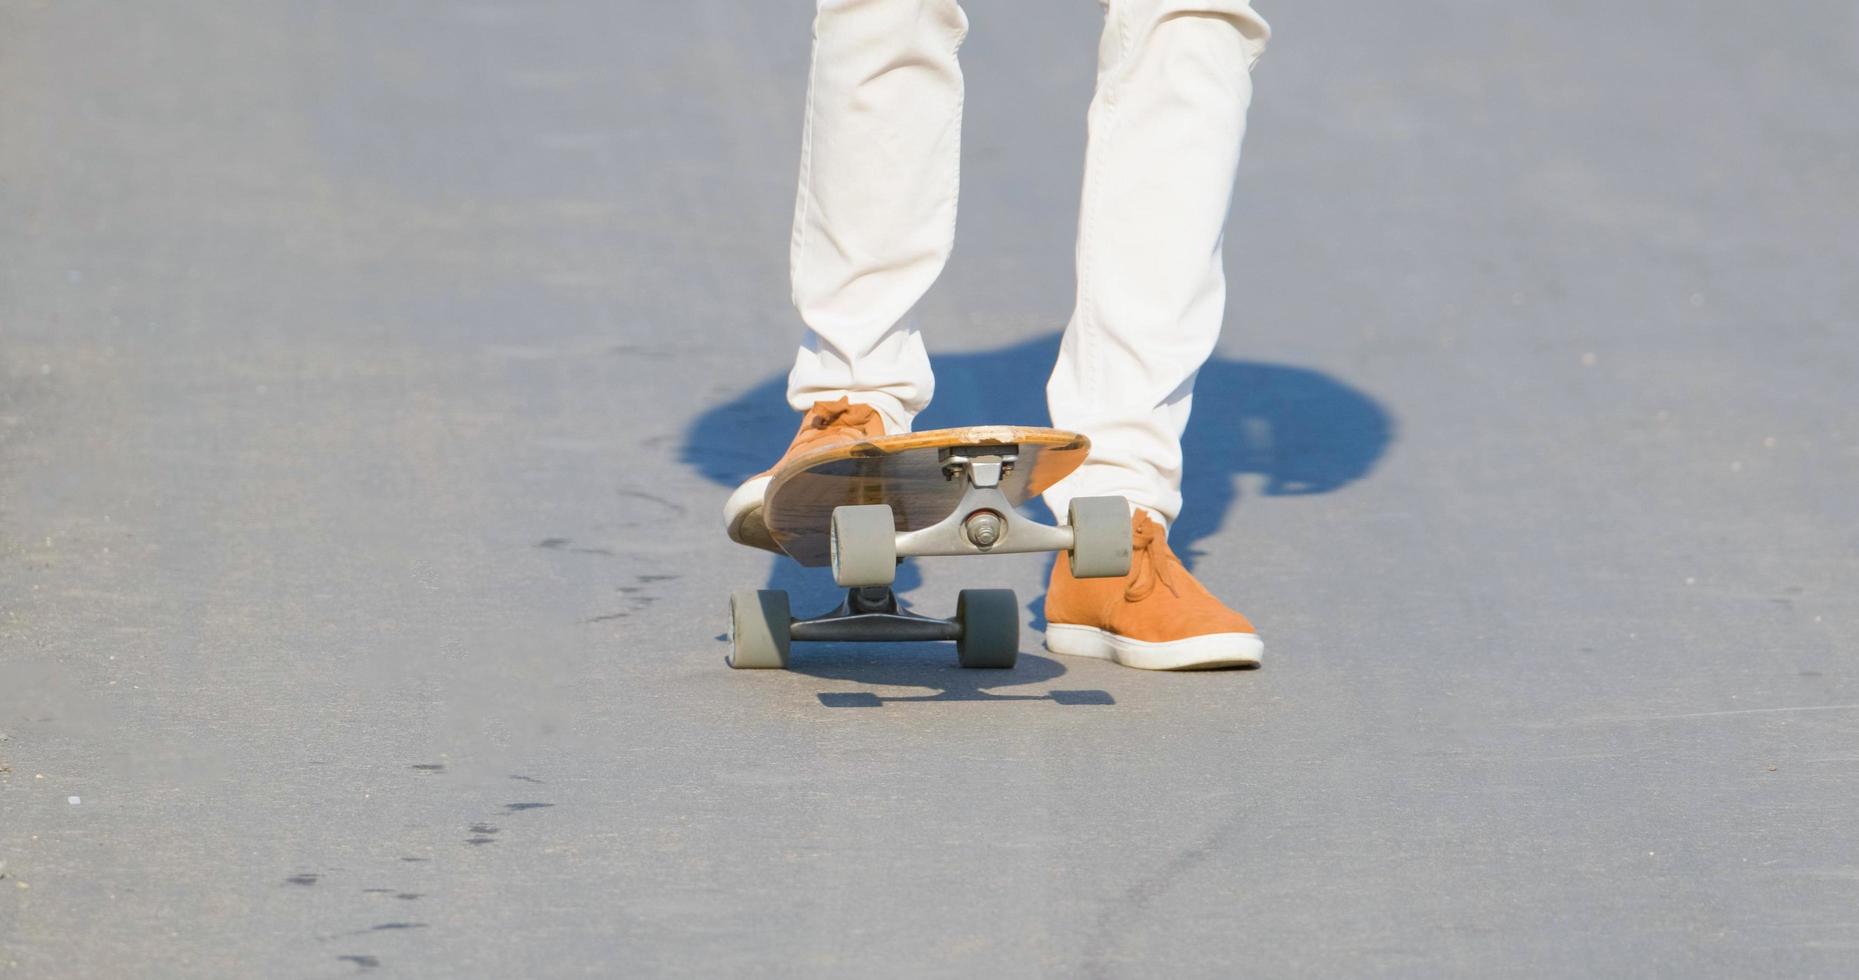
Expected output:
(1164, 128)
(875, 215)
(874, 220)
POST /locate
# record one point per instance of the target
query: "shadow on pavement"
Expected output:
(1300, 431)
(932, 666)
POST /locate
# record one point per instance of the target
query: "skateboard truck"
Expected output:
(866, 546)
(873, 613)
(985, 628)
(980, 522)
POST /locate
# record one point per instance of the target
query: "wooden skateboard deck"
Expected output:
(904, 471)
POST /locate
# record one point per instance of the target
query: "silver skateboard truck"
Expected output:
(866, 546)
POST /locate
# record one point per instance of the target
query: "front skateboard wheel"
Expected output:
(1100, 537)
(864, 545)
(990, 621)
(758, 630)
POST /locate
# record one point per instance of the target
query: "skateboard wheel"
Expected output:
(864, 545)
(1100, 537)
(990, 621)
(758, 630)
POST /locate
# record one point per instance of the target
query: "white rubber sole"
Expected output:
(742, 515)
(1207, 652)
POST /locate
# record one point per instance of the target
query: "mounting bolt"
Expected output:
(985, 528)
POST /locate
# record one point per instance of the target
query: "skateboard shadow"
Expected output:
(1300, 431)
(931, 666)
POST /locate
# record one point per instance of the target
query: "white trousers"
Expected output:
(875, 220)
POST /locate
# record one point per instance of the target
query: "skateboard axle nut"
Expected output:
(984, 528)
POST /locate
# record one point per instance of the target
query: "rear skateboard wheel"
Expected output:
(864, 545)
(758, 630)
(1101, 537)
(990, 621)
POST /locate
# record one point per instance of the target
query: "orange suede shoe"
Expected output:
(1157, 617)
(824, 424)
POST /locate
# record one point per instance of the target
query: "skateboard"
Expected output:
(863, 507)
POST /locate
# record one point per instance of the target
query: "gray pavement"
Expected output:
(371, 375)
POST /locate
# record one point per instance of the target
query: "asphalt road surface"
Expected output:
(372, 374)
